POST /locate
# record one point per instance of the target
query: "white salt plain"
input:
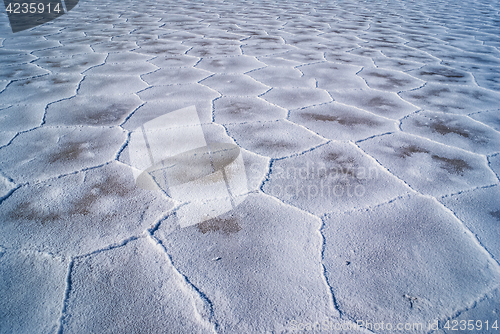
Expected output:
(370, 136)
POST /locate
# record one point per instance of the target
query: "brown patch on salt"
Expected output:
(227, 225)
(408, 151)
(455, 166)
(25, 211)
(347, 121)
(68, 152)
(495, 214)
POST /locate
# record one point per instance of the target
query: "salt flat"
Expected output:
(361, 194)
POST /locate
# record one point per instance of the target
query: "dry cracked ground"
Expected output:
(370, 135)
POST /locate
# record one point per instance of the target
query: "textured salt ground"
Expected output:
(388, 283)
(394, 106)
(156, 299)
(21, 308)
(341, 122)
(428, 167)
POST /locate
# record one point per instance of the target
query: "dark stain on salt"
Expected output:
(442, 128)
(239, 108)
(408, 151)
(279, 144)
(57, 80)
(25, 211)
(109, 187)
(110, 115)
(347, 121)
(339, 164)
(226, 226)
(68, 152)
(82, 205)
(455, 166)
(380, 102)
(448, 73)
(391, 80)
(495, 214)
